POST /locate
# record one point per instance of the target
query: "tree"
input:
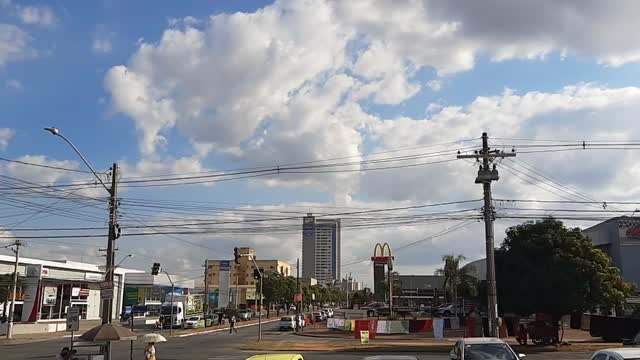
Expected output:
(458, 281)
(545, 267)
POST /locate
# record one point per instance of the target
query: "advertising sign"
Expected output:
(225, 277)
(34, 271)
(364, 337)
(213, 298)
(297, 297)
(49, 296)
(130, 296)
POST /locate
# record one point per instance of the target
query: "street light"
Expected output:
(123, 259)
(56, 132)
(107, 304)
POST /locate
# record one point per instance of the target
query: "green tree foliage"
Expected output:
(546, 267)
(458, 281)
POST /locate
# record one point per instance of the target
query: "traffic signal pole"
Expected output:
(261, 274)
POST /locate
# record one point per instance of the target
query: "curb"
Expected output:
(222, 329)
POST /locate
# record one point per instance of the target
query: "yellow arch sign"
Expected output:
(382, 248)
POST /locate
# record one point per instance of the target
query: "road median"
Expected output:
(405, 346)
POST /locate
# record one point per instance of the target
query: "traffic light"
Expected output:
(256, 274)
(236, 255)
(155, 269)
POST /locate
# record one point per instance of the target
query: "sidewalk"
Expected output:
(88, 324)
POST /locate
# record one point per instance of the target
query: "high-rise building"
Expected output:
(321, 249)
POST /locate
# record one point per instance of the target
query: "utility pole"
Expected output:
(298, 285)
(487, 174)
(14, 288)
(206, 291)
(107, 303)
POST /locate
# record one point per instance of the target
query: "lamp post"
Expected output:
(107, 305)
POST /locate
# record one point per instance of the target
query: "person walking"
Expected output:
(150, 352)
(220, 318)
(232, 324)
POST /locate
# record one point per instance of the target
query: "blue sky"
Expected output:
(189, 87)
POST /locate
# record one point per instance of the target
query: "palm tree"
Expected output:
(457, 280)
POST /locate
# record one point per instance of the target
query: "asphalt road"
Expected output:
(220, 345)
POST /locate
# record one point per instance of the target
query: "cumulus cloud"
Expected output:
(14, 44)
(38, 15)
(14, 84)
(288, 83)
(5, 136)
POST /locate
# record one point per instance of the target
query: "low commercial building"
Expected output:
(152, 290)
(48, 288)
(619, 238)
(417, 290)
(231, 283)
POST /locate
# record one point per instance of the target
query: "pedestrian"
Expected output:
(220, 318)
(150, 351)
(64, 354)
(232, 324)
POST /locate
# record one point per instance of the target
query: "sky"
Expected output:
(369, 101)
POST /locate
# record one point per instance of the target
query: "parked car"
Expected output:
(277, 357)
(616, 354)
(192, 322)
(448, 310)
(244, 314)
(287, 323)
(377, 308)
(483, 348)
(317, 316)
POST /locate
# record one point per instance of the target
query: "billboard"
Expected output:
(130, 296)
(308, 226)
(225, 276)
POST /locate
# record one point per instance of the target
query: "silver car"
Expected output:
(483, 348)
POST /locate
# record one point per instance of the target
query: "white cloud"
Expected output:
(435, 85)
(14, 84)
(286, 83)
(14, 44)
(102, 45)
(5, 136)
(38, 15)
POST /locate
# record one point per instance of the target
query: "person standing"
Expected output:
(150, 352)
(232, 324)
(220, 318)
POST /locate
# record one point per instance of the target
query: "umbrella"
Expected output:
(152, 338)
(108, 332)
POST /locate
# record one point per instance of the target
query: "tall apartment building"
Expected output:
(321, 249)
(240, 277)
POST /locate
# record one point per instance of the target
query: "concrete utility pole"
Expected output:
(206, 291)
(298, 285)
(486, 175)
(14, 288)
(107, 304)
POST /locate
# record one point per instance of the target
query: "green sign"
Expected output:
(130, 296)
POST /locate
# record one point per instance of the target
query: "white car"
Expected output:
(192, 322)
(483, 348)
(287, 323)
(617, 354)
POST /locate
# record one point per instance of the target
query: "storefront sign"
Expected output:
(50, 295)
(93, 276)
(36, 271)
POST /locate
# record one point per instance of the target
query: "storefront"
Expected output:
(47, 289)
(151, 290)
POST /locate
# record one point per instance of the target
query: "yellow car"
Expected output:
(276, 357)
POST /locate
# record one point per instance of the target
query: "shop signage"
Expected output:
(93, 276)
(130, 296)
(36, 271)
(364, 337)
(50, 295)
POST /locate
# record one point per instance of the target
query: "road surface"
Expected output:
(218, 346)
